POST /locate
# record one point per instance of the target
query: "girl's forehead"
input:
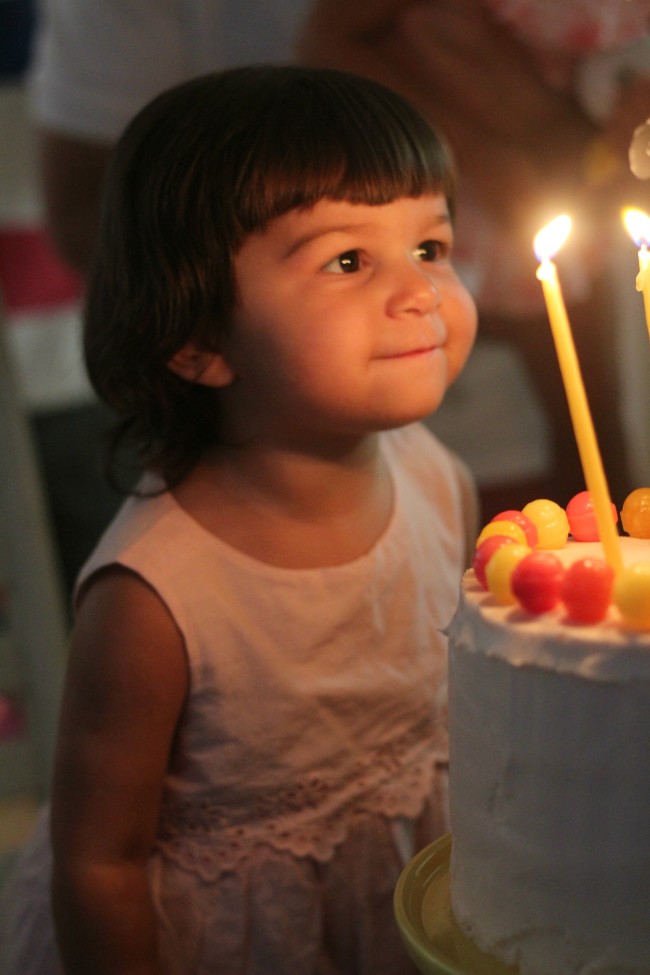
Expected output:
(328, 216)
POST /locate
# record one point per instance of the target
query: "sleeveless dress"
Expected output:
(311, 758)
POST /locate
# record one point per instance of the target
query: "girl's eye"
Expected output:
(346, 263)
(429, 250)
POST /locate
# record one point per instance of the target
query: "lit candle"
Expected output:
(547, 242)
(638, 227)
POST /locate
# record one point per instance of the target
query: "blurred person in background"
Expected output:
(96, 64)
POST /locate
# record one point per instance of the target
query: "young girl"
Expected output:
(252, 737)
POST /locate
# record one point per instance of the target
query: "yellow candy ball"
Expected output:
(498, 572)
(508, 528)
(551, 521)
(635, 513)
(632, 595)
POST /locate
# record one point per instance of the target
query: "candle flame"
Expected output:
(637, 224)
(551, 237)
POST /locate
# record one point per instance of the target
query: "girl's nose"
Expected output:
(414, 292)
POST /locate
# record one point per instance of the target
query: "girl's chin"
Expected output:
(411, 412)
(418, 404)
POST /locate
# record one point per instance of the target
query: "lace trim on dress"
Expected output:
(309, 818)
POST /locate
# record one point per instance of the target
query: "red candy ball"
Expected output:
(536, 582)
(587, 590)
(484, 553)
(519, 518)
(582, 517)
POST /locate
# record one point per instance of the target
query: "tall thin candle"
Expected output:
(547, 242)
(638, 227)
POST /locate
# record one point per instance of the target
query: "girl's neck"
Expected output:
(289, 508)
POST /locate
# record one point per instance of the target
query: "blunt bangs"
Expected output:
(330, 136)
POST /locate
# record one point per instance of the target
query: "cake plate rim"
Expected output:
(422, 890)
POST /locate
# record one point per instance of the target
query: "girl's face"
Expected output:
(350, 319)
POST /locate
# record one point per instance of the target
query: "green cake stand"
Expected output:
(432, 938)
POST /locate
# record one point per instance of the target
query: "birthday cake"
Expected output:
(549, 719)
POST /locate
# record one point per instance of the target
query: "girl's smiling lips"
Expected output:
(410, 352)
(419, 343)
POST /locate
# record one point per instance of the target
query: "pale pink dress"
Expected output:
(311, 759)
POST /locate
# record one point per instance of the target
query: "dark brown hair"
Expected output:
(197, 170)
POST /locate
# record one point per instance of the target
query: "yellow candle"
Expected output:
(547, 243)
(638, 226)
(643, 281)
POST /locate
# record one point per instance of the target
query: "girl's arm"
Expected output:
(126, 685)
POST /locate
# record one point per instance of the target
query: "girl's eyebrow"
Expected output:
(437, 220)
(319, 232)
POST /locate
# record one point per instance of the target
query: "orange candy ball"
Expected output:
(635, 513)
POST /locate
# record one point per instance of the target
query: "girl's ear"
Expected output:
(200, 366)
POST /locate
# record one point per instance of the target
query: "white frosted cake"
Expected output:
(550, 784)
